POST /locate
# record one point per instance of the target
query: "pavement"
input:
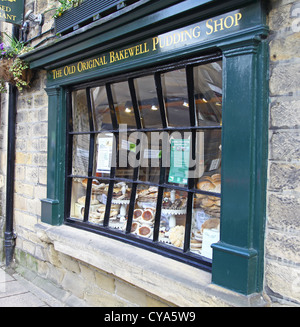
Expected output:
(23, 288)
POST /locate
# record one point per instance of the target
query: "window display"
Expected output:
(146, 158)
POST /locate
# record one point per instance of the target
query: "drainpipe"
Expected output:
(9, 234)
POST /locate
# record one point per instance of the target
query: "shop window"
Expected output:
(144, 158)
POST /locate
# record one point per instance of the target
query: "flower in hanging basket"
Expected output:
(64, 6)
(13, 69)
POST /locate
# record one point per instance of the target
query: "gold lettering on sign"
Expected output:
(4, 10)
(129, 52)
(168, 41)
(215, 25)
(175, 38)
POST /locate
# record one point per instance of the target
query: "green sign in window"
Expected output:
(180, 156)
(12, 11)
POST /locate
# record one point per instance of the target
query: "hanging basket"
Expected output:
(7, 76)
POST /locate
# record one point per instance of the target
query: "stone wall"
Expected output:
(282, 263)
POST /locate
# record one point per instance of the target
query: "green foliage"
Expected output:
(65, 5)
(11, 48)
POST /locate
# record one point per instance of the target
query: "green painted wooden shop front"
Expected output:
(152, 34)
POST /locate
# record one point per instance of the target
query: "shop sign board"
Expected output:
(12, 11)
(201, 32)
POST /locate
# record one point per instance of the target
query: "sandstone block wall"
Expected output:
(282, 272)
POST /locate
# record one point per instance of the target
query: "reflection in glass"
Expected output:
(80, 116)
(123, 104)
(173, 216)
(212, 153)
(127, 155)
(176, 97)
(77, 198)
(148, 103)
(151, 155)
(81, 144)
(208, 93)
(100, 107)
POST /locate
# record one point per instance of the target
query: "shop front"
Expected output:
(157, 134)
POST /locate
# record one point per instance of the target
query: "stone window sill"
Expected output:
(176, 282)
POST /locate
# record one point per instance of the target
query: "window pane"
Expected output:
(80, 117)
(180, 150)
(173, 218)
(212, 153)
(100, 107)
(123, 105)
(208, 93)
(176, 97)
(144, 211)
(81, 145)
(151, 154)
(78, 193)
(127, 155)
(205, 224)
(120, 205)
(98, 201)
(148, 103)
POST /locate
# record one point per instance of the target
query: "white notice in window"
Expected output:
(105, 145)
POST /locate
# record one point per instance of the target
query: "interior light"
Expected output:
(185, 104)
(154, 107)
(204, 100)
(127, 109)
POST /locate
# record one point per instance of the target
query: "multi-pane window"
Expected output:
(144, 158)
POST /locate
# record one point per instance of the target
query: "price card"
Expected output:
(210, 236)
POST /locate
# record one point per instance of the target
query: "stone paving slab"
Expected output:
(23, 288)
(15, 291)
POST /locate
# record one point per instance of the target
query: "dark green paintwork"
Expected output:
(238, 257)
(12, 12)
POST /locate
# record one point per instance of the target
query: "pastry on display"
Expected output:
(208, 203)
(178, 204)
(211, 223)
(134, 227)
(144, 216)
(80, 205)
(97, 215)
(210, 183)
(137, 214)
(93, 200)
(144, 231)
(176, 235)
(147, 195)
(147, 216)
(195, 245)
(96, 186)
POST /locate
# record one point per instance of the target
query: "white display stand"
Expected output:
(123, 208)
(171, 213)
